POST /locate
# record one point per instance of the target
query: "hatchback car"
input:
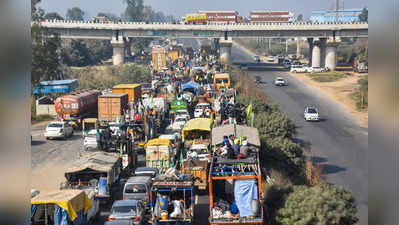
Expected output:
(311, 114)
(90, 140)
(138, 188)
(57, 129)
(132, 210)
(279, 81)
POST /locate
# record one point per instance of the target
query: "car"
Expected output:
(257, 58)
(90, 140)
(146, 171)
(258, 79)
(299, 69)
(311, 114)
(199, 109)
(132, 210)
(179, 122)
(119, 222)
(271, 58)
(279, 81)
(58, 129)
(199, 151)
(182, 112)
(317, 70)
(138, 188)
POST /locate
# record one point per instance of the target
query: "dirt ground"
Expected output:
(340, 92)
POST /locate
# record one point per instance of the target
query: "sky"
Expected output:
(181, 7)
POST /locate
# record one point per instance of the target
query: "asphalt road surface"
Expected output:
(338, 143)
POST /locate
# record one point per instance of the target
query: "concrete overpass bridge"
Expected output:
(323, 38)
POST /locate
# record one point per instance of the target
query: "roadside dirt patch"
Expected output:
(340, 91)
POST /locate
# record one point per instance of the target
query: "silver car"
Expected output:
(127, 210)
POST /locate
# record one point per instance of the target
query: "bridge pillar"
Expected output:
(310, 42)
(323, 46)
(316, 53)
(331, 54)
(118, 57)
(225, 50)
(298, 47)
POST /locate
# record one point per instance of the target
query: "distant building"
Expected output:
(271, 16)
(346, 15)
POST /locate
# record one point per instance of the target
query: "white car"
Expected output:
(299, 69)
(199, 108)
(90, 141)
(57, 129)
(182, 112)
(317, 70)
(179, 122)
(279, 81)
(311, 114)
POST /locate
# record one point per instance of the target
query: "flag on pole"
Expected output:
(249, 110)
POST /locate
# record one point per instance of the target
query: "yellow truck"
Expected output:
(159, 154)
(173, 55)
(158, 59)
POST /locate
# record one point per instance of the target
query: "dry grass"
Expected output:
(313, 172)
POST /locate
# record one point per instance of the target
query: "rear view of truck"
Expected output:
(172, 201)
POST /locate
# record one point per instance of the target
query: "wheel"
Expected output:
(47, 138)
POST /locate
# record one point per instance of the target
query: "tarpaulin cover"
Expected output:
(190, 84)
(244, 192)
(202, 124)
(72, 201)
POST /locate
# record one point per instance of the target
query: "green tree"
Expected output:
(45, 55)
(300, 17)
(134, 10)
(36, 13)
(318, 205)
(75, 13)
(364, 16)
(78, 54)
(53, 16)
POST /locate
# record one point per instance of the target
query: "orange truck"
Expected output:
(158, 59)
(133, 91)
(221, 80)
(111, 106)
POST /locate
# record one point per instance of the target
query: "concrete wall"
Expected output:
(45, 109)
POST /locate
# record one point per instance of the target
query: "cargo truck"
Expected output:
(112, 106)
(158, 59)
(76, 106)
(159, 154)
(133, 91)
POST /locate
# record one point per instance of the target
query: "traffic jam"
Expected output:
(194, 138)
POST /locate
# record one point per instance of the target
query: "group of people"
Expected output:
(233, 147)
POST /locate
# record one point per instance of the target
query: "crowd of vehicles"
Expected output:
(181, 124)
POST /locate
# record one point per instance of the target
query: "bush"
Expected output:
(274, 124)
(321, 205)
(360, 96)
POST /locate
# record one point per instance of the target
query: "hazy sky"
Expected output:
(181, 7)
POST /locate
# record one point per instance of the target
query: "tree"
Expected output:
(134, 10)
(75, 13)
(36, 13)
(300, 17)
(78, 54)
(364, 16)
(318, 205)
(45, 55)
(53, 16)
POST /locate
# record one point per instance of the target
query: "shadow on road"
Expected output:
(331, 169)
(35, 143)
(318, 159)
(201, 214)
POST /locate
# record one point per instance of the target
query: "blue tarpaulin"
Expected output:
(244, 192)
(192, 85)
(55, 86)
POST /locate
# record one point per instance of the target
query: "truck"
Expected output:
(158, 59)
(235, 185)
(68, 207)
(159, 154)
(133, 91)
(77, 105)
(159, 111)
(196, 137)
(96, 171)
(173, 201)
(112, 106)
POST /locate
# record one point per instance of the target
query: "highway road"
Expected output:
(338, 143)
